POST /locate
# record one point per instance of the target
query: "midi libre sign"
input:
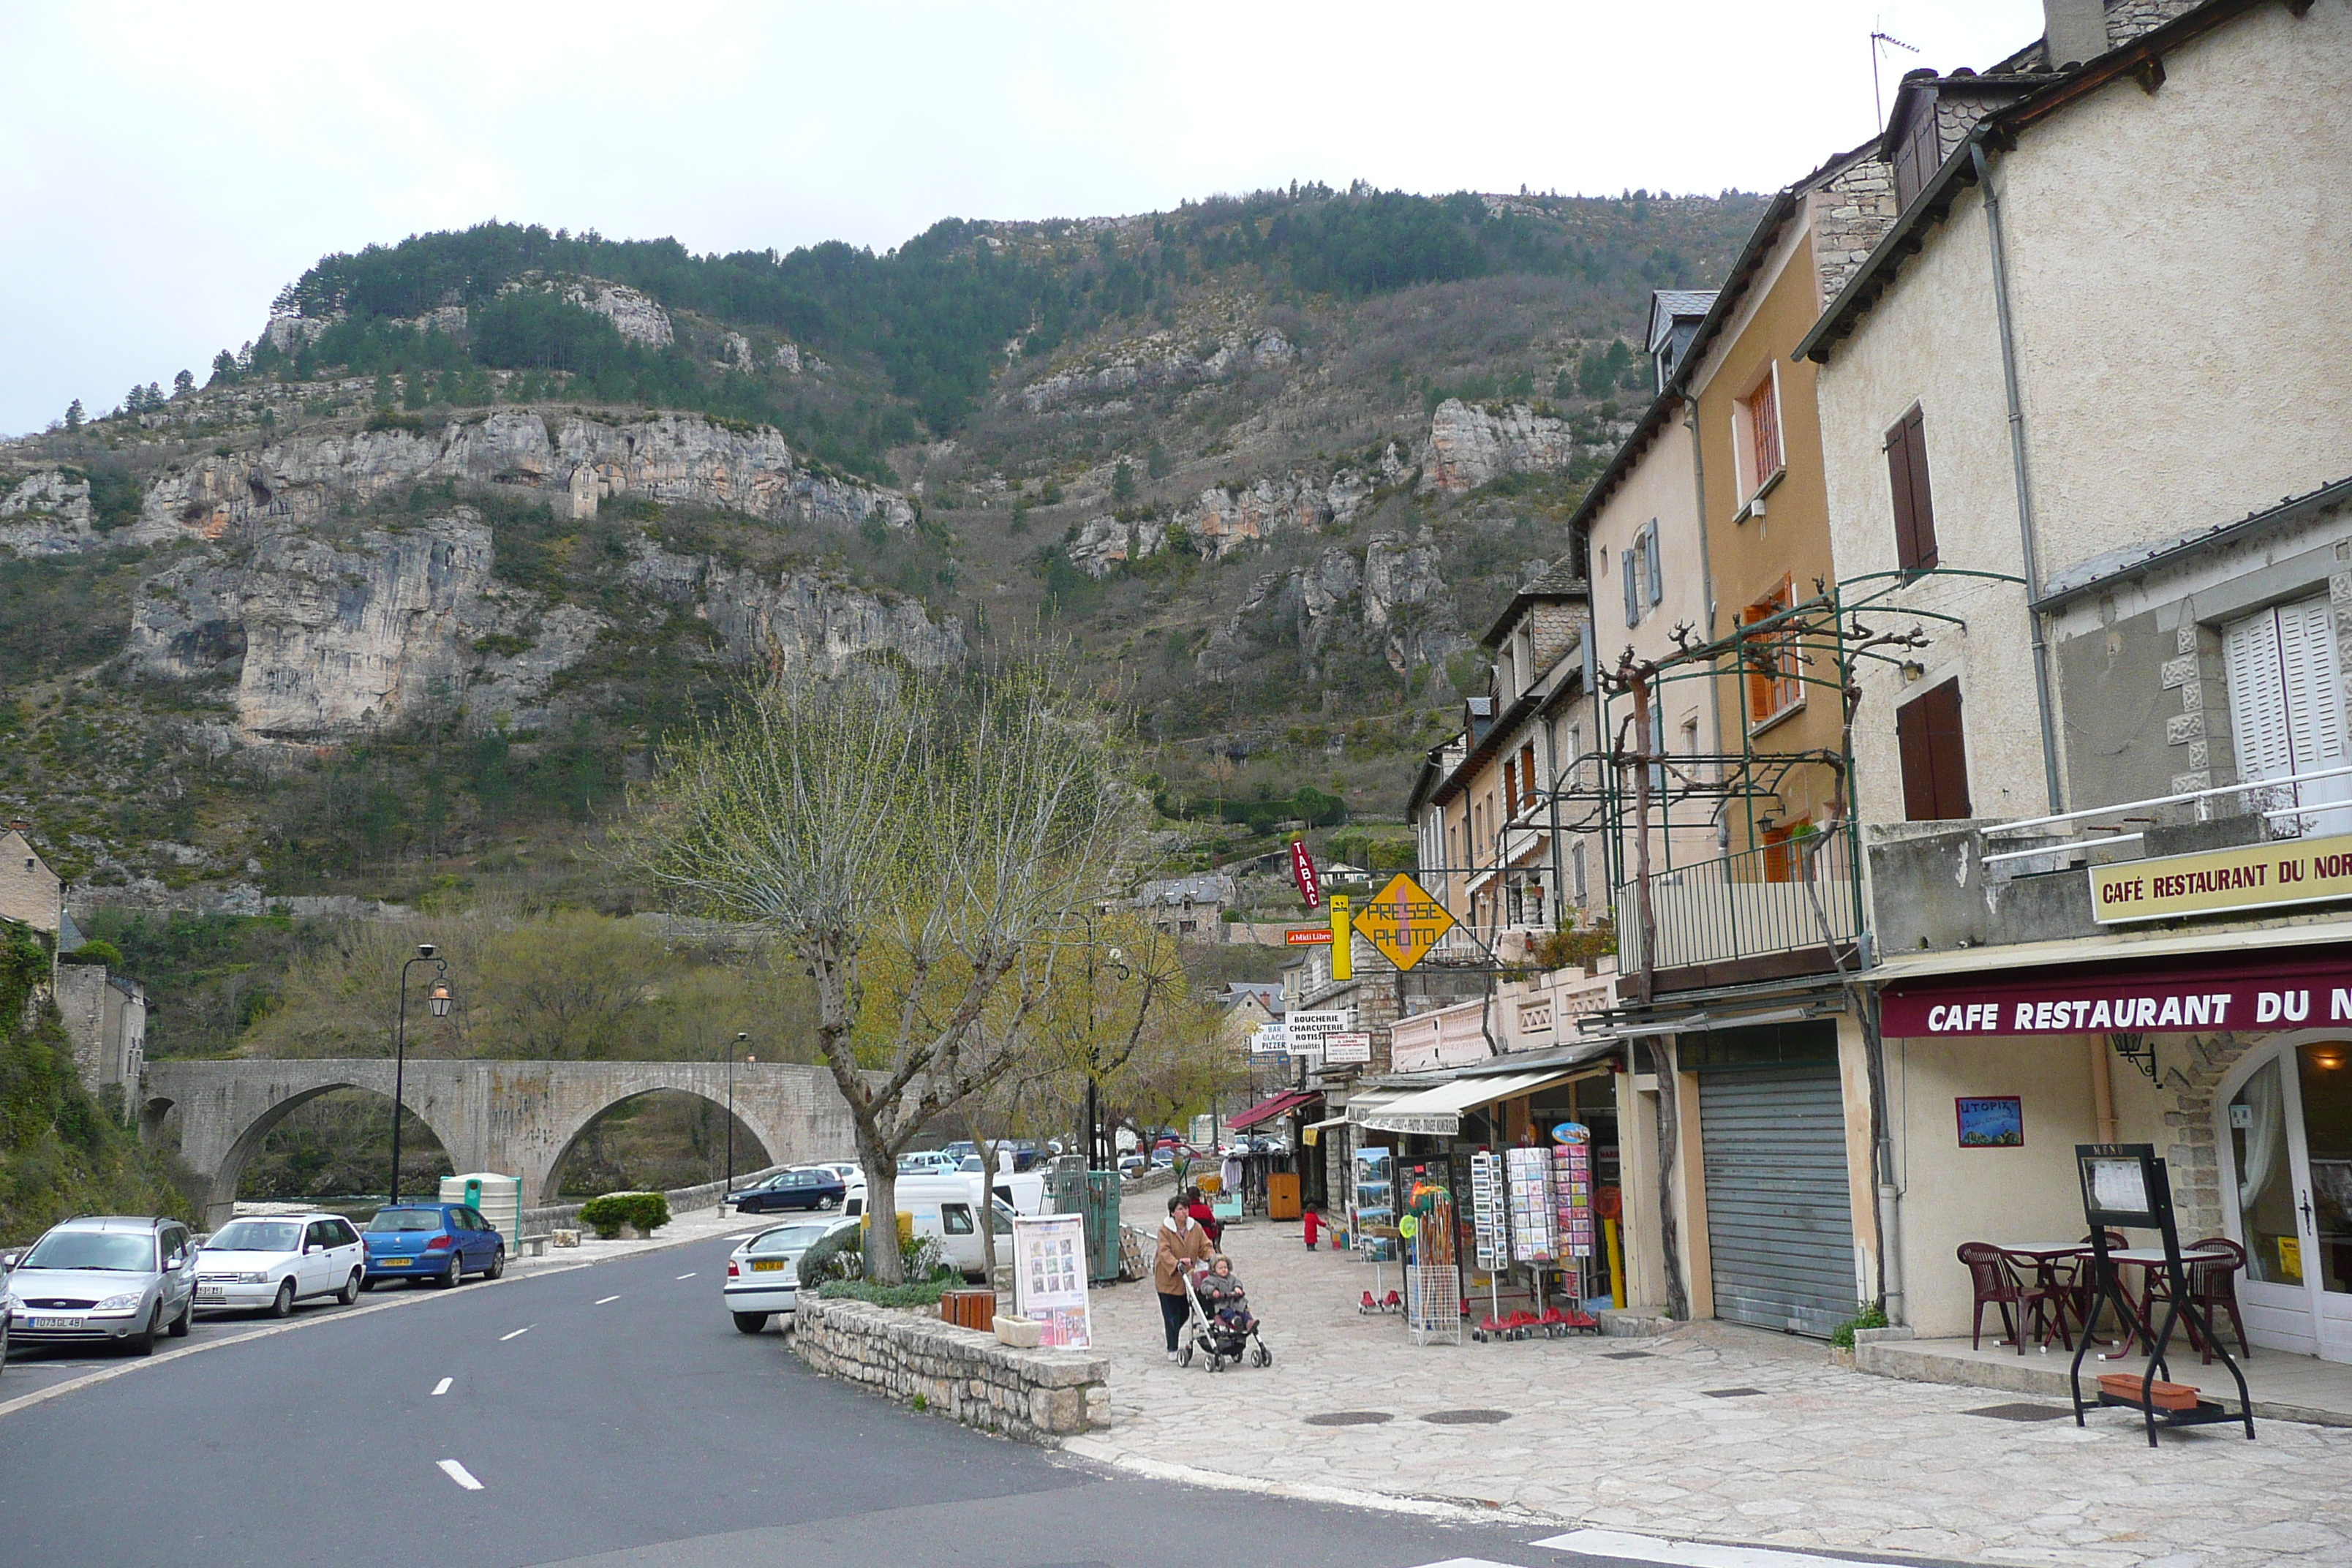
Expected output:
(2249, 876)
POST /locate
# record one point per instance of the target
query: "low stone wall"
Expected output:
(1040, 1395)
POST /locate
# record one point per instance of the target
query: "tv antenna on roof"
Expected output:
(1880, 40)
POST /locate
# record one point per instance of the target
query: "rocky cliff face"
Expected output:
(328, 638)
(576, 462)
(48, 513)
(1474, 444)
(1228, 518)
(1393, 595)
(1159, 360)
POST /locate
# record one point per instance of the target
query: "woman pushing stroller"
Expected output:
(1222, 1326)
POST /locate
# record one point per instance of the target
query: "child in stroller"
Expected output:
(1221, 1327)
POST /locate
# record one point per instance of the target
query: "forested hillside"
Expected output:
(396, 601)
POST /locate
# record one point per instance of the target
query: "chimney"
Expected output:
(2073, 31)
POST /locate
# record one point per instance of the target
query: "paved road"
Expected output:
(609, 1415)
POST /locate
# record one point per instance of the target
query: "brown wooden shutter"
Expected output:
(1935, 759)
(1907, 480)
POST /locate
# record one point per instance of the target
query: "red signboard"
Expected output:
(1308, 936)
(1302, 871)
(2087, 999)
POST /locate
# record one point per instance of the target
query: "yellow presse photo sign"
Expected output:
(2246, 876)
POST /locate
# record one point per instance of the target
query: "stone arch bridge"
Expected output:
(519, 1118)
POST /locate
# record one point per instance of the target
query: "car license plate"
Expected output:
(390, 1262)
(211, 1293)
(766, 1265)
(38, 1324)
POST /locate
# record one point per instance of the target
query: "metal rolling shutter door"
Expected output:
(1778, 1219)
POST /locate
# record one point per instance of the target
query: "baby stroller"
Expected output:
(1221, 1326)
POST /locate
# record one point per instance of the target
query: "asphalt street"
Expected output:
(608, 1415)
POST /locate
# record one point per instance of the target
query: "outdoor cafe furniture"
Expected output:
(2212, 1284)
(2150, 1262)
(1996, 1284)
(2054, 1275)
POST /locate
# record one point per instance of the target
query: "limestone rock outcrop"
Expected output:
(1393, 594)
(576, 462)
(1474, 444)
(328, 636)
(797, 620)
(1161, 361)
(46, 513)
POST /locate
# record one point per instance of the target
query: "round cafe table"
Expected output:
(2045, 1256)
(2147, 1260)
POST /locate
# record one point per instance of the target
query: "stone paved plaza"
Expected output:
(1822, 1457)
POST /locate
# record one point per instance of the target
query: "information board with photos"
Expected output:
(1049, 1278)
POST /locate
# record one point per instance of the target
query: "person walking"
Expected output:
(1181, 1244)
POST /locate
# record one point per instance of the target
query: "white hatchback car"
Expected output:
(763, 1274)
(267, 1262)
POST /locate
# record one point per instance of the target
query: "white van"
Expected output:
(945, 1208)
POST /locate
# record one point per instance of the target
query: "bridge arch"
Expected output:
(248, 1144)
(569, 1141)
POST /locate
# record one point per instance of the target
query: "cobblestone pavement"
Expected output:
(1714, 1432)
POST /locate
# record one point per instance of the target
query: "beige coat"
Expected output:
(1182, 1241)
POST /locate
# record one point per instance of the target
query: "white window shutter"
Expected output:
(2315, 701)
(2258, 719)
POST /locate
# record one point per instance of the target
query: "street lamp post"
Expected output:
(440, 1000)
(739, 1038)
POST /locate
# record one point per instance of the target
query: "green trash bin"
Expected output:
(1095, 1194)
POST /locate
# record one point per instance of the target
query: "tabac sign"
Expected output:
(2248, 876)
(1402, 922)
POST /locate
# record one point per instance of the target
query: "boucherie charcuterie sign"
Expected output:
(2248, 876)
(2090, 1000)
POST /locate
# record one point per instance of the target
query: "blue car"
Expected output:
(801, 1189)
(439, 1242)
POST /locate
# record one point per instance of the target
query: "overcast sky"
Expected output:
(165, 169)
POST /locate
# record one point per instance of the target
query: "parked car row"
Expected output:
(135, 1281)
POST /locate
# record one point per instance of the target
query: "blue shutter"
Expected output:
(1629, 559)
(1650, 561)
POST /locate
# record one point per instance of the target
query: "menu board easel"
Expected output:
(2126, 1184)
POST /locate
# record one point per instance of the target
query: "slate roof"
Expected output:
(2073, 582)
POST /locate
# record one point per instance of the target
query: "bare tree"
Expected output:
(922, 841)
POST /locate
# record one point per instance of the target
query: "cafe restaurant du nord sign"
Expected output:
(2297, 993)
(2248, 876)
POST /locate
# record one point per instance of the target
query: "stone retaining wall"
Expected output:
(1039, 1395)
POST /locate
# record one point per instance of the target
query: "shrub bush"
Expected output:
(96, 950)
(926, 1295)
(1868, 1318)
(605, 1216)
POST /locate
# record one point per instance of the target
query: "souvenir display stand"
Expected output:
(1490, 1227)
(1433, 1295)
(2124, 1184)
(1373, 1224)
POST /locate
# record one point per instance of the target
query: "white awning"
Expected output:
(1362, 1102)
(1437, 1112)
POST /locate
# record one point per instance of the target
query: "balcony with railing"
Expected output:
(1935, 886)
(1787, 908)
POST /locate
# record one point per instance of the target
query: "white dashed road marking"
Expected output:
(1686, 1553)
(517, 1334)
(461, 1475)
(601, 1300)
(685, 1276)
(441, 1388)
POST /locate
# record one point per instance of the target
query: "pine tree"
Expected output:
(224, 369)
(74, 416)
(1122, 483)
(185, 382)
(154, 395)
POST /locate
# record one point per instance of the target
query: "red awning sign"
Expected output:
(1308, 936)
(2085, 1000)
(1268, 1110)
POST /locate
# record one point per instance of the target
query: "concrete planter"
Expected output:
(1021, 1334)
